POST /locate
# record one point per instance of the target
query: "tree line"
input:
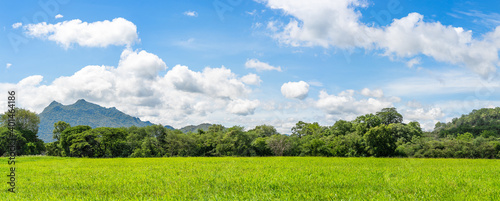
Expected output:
(381, 135)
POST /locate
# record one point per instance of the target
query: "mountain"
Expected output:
(194, 129)
(84, 113)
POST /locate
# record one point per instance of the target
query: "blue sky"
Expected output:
(248, 63)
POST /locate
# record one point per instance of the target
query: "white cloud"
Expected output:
(426, 116)
(243, 107)
(256, 25)
(251, 79)
(413, 62)
(443, 83)
(420, 114)
(337, 23)
(191, 13)
(8, 65)
(31, 81)
(141, 64)
(179, 98)
(216, 82)
(58, 16)
(17, 25)
(118, 32)
(315, 83)
(252, 12)
(298, 90)
(260, 66)
(377, 93)
(348, 106)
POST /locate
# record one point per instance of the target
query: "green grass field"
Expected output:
(273, 178)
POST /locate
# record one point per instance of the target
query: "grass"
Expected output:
(273, 178)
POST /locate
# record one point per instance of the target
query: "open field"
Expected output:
(272, 178)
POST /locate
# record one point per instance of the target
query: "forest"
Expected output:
(383, 134)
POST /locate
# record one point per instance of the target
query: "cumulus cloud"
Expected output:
(117, 32)
(178, 98)
(251, 79)
(298, 90)
(17, 25)
(377, 93)
(426, 116)
(58, 16)
(347, 104)
(191, 13)
(8, 65)
(260, 66)
(216, 82)
(422, 114)
(243, 107)
(337, 24)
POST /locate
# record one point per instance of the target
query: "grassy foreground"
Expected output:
(273, 178)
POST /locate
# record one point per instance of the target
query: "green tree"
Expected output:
(5, 141)
(26, 123)
(379, 141)
(363, 123)
(341, 127)
(405, 133)
(279, 144)
(68, 135)
(302, 129)
(59, 127)
(25, 120)
(260, 146)
(215, 128)
(313, 146)
(264, 131)
(390, 116)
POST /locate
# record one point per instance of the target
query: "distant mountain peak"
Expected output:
(81, 101)
(193, 128)
(83, 112)
(54, 103)
(51, 106)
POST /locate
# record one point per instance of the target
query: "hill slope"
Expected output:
(83, 113)
(194, 129)
(485, 120)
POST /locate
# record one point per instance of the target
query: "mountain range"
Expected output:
(84, 113)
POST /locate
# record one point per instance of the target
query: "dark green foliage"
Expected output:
(25, 132)
(25, 120)
(350, 145)
(341, 127)
(381, 135)
(67, 137)
(4, 141)
(264, 131)
(380, 141)
(390, 116)
(59, 127)
(303, 129)
(261, 147)
(476, 122)
(313, 146)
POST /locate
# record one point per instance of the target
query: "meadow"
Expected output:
(252, 178)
